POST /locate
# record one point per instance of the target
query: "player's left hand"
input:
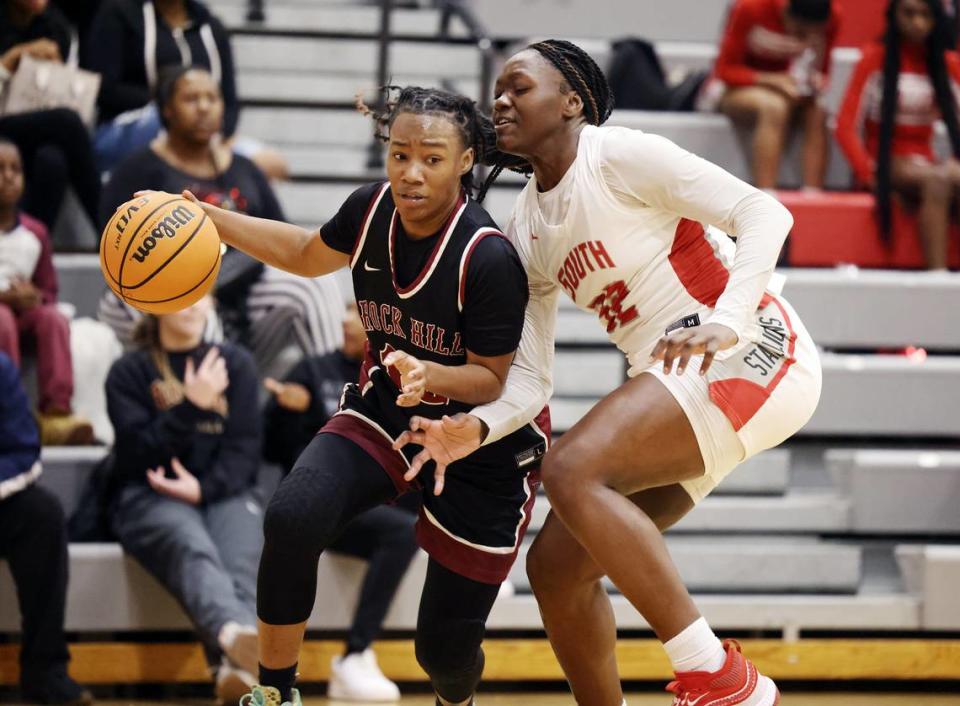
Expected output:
(706, 340)
(413, 377)
(185, 487)
(443, 440)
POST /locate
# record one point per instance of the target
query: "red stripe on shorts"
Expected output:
(741, 399)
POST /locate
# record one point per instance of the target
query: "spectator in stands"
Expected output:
(55, 145)
(384, 535)
(33, 540)
(187, 457)
(773, 65)
(900, 87)
(28, 308)
(180, 33)
(264, 306)
(80, 13)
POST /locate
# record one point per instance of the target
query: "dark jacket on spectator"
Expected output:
(287, 433)
(116, 45)
(19, 438)
(154, 422)
(241, 187)
(50, 24)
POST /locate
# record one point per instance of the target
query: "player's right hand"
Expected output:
(190, 196)
(443, 440)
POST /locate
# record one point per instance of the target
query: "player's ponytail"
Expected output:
(490, 156)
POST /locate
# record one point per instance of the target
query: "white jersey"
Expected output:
(626, 234)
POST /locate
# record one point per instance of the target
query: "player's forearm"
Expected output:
(469, 383)
(762, 225)
(282, 245)
(525, 394)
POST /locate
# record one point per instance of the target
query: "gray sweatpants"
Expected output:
(207, 557)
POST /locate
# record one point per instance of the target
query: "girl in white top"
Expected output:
(720, 366)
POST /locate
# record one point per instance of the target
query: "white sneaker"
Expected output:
(232, 683)
(239, 644)
(357, 677)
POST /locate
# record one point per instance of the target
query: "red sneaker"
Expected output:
(737, 683)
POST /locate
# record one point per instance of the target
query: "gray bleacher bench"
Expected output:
(932, 574)
(899, 492)
(109, 592)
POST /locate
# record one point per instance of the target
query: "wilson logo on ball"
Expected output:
(167, 228)
(123, 218)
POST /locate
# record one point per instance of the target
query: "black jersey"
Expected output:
(462, 289)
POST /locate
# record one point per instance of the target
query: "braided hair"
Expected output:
(475, 128)
(938, 43)
(582, 75)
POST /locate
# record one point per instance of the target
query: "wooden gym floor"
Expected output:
(654, 699)
(642, 699)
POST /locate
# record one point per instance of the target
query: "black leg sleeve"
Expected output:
(333, 481)
(450, 629)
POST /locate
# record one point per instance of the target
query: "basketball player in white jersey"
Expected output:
(721, 366)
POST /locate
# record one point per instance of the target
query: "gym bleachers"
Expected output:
(819, 218)
(784, 529)
(851, 528)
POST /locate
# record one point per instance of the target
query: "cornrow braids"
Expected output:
(476, 129)
(583, 75)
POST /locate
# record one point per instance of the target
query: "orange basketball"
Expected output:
(160, 253)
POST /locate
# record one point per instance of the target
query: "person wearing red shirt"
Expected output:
(772, 67)
(900, 87)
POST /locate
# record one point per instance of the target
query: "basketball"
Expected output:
(160, 253)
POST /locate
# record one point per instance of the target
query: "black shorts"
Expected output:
(475, 526)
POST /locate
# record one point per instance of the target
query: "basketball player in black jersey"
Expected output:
(442, 296)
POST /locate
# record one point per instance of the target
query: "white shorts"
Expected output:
(754, 397)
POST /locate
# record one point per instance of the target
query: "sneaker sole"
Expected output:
(766, 693)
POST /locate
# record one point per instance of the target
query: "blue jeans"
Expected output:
(124, 135)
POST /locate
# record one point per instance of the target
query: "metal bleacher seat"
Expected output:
(877, 481)
(312, 141)
(864, 394)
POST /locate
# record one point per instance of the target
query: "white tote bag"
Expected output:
(40, 85)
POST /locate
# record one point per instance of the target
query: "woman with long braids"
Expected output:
(441, 294)
(901, 86)
(721, 366)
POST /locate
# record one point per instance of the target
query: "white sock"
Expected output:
(696, 649)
